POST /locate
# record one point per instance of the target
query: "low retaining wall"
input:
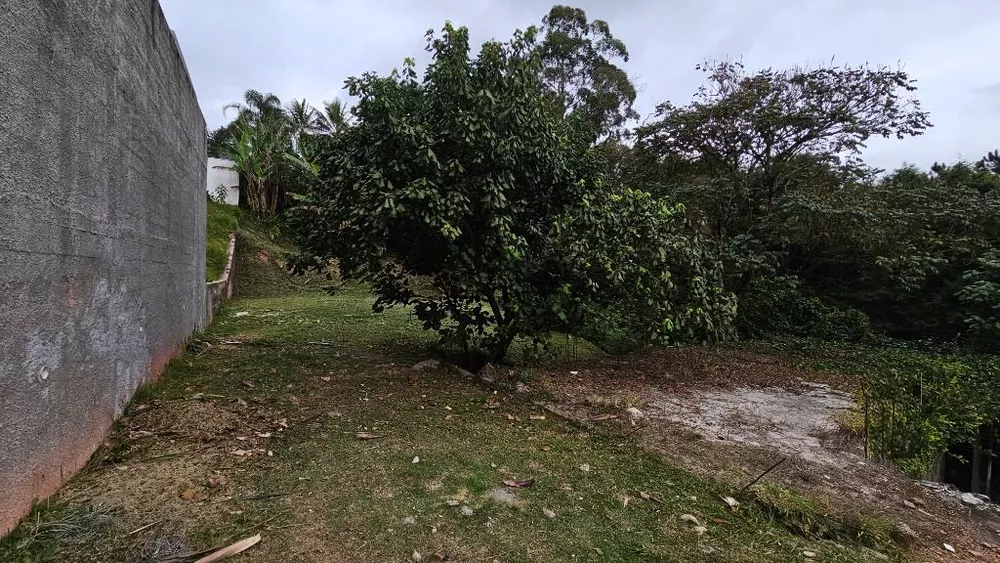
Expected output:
(222, 289)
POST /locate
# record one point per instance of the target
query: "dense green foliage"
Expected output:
(914, 401)
(502, 196)
(267, 144)
(472, 182)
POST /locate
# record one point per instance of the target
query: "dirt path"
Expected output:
(731, 415)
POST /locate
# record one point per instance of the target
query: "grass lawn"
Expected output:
(299, 417)
(221, 220)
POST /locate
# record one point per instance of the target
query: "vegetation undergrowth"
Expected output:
(221, 221)
(917, 399)
(295, 379)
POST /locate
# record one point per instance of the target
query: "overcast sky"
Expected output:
(306, 48)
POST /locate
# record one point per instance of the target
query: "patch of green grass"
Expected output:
(331, 368)
(221, 220)
(52, 527)
(812, 518)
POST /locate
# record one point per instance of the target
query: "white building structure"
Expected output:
(223, 179)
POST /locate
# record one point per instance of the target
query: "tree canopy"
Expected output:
(468, 196)
(579, 67)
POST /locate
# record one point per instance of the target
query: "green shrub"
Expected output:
(614, 329)
(777, 306)
(917, 404)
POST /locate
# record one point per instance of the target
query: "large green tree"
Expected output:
(466, 196)
(580, 66)
(756, 135)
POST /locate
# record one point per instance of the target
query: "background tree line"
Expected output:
(508, 194)
(765, 166)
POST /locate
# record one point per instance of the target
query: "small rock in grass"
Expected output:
(416, 459)
(909, 504)
(467, 510)
(426, 365)
(970, 499)
(548, 513)
(502, 495)
(905, 536)
(948, 547)
(700, 530)
(410, 520)
(416, 556)
(690, 518)
(452, 502)
(585, 468)
(809, 554)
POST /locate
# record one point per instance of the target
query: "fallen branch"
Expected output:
(264, 496)
(146, 527)
(761, 476)
(238, 547)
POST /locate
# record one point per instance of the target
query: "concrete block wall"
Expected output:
(102, 227)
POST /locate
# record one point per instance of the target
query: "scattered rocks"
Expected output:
(503, 495)
(426, 365)
(905, 536)
(970, 499)
(691, 519)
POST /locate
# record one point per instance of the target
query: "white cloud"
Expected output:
(306, 48)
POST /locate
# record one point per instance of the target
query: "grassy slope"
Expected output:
(221, 220)
(327, 368)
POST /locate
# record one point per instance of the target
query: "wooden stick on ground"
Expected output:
(761, 476)
(231, 550)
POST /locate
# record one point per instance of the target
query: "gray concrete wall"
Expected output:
(102, 227)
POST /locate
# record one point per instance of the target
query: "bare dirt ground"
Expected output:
(731, 415)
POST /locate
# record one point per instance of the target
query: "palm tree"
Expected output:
(257, 141)
(304, 120)
(257, 106)
(334, 117)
